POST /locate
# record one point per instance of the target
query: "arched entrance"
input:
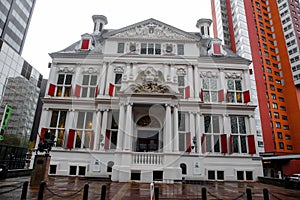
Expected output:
(149, 137)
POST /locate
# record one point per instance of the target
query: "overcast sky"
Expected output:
(56, 24)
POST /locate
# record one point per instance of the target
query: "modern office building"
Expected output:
(150, 102)
(15, 16)
(267, 33)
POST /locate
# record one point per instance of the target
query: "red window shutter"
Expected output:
(106, 142)
(201, 94)
(231, 144)
(217, 48)
(51, 91)
(71, 136)
(77, 91)
(221, 95)
(188, 142)
(42, 135)
(97, 91)
(246, 96)
(85, 44)
(251, 144)
(187, 92)
(111, 89)
(203, 143)
(224, 143)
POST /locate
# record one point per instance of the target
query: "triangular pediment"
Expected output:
(151, 29)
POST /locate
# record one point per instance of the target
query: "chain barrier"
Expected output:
(16, 187)
(240, 196)
(273, 195)
(213, 195)
(63, 196)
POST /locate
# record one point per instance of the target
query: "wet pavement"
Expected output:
(72, 188)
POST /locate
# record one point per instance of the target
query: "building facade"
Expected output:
(150, 102)
(251, 30)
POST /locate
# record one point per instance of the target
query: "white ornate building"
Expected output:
(150, 102)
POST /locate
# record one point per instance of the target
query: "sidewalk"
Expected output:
(65, 187)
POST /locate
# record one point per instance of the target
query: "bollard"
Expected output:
(156, 193)
(249, 194)
(85, 191)
(24, 190)
(266, 194)
(41, 190)
(152, 191)
(103, 192)
(203, 192)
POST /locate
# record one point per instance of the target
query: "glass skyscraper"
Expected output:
(15, 16)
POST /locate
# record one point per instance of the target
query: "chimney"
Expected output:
(203, 25)
(99, 22)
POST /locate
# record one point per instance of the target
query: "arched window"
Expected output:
(110, 164)
(183, 168)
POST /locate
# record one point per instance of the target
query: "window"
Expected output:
(121, 48)
(278, 125)
(84, 131)
(276, 115)
(220, 175)
(181, 84)
(238, 130)
(287, 137)
(234, 94)
(289, 147)
(112, 131)
(212, 133)
(281, 145)
(210, 89)
(52, 169)
(279, 135)
(240, 175)
(73, 170)
(184, 135)
(81, 170)
(89, 84)
(211, 175)
(150, 48)
(249, 175)
(57, 126)
(275, 105)
(183, 168)
(135, 175)
(118, 82)
(64, 85)
(180, 49)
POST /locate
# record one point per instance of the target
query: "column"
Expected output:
(128, 128)
(198, 131)
(121, 127)
(97, 133)
(168, 140)
(190, 81)
(197, 84)
(192, 127)
(175, 130)
(103, 128)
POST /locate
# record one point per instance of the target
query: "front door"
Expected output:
(147, 140)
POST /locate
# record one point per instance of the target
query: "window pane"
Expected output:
(234, 126)
(67, 91)
(205, 83)
(216, 125)
(85, 80)
(180, 80)
(216, 143)
(54, 117)
(93, 80)
(240, 175)
(220, 175)
(211, 175)
(118, 78)
(181, 142)
(59, 91)
(206, 97)
(214, 96)
(208, 143)
(113, 139)
(150, 48)
(242, 126)
(60, 137)
(68, 79)
(120, 47)
(143, 48)
(213, 84)
(181, 120)
(89, 120)
(243, 144)
(73, 170)
(87, 139)
(231, 97)
(157, 49)
(60, 79)
(92, 92)
(230, 85)
(207, 126)
(84, 92)
(239, 97)
(80, 120)
(238, 85)
(62, 119)
(235, 141)
(78, 139)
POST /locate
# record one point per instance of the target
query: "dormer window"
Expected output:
(150, 48)
(85, 43)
